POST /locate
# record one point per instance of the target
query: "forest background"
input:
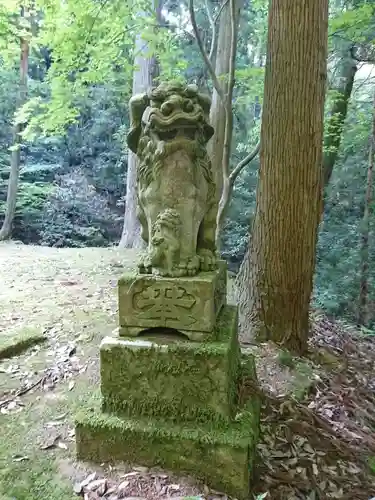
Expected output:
(67, 71)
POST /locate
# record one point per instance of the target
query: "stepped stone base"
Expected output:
(221, 456)
(167, 400)
(189, 304)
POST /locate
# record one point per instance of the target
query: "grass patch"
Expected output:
(285, 358)
(70, 294)
(26, 471)
(33, 482)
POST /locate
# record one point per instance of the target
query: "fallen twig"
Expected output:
(22, 392)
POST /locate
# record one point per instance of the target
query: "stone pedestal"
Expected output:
(167, 400)
(189, 305)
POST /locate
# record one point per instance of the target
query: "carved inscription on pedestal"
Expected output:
(166, 305)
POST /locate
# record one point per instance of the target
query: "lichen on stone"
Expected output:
(177, 208)
(175, 400)
(187, 304)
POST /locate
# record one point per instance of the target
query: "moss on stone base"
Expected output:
(219, 455)
(180, 381)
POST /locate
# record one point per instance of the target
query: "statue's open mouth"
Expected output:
(174, 133)
(178, 125)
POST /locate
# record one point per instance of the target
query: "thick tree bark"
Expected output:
(144, 74)
(277, 279)
(15, 161)
(363, 305)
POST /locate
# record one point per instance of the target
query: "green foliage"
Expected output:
(356, 23)
(235, 235)
(30, 201)
(75, 215)
(338, 258)
(80, 74)
(250, 85)
(285, 358)
(367, 332)
(91, 47)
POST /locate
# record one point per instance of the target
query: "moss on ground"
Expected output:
(71, 294)
(15, 343)
(26, 471)
(33, 482)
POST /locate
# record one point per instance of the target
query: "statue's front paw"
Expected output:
(208, 259)
(190, 266)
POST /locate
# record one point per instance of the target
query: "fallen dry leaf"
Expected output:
(51, 443)
(99, 485)
(62, 445)
(91, 477)
(122, 486)
(20, 458)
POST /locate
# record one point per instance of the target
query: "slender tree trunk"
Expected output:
(217, 113)
(339, 111)
(227, 192)
(276, 282)
(363, 306)
(15, 161)
(144, 74)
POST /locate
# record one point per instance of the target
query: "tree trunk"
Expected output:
(276, 282)
(15, 161)
(339, 111)
(217, 113)
(144, 74)
(363, 306)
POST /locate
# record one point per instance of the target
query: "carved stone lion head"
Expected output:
(171, 113)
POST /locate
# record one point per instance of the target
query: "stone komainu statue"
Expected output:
(169, 131)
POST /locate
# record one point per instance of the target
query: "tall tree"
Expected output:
(145, 71)
(222, 68)
(15, 161)
(363, 306)
(277, 278)
(221, 116)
